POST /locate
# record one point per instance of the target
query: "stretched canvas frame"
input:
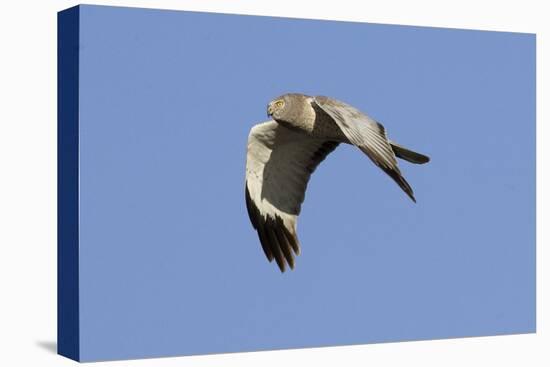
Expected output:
(156, 256)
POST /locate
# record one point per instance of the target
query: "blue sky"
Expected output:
(169, 261)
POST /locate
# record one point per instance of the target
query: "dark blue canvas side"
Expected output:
(67, 183)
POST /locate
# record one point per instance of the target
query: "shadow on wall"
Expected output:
(50, 346)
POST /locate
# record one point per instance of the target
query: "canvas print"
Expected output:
(232, 183)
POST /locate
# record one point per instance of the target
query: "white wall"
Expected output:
(28, 181)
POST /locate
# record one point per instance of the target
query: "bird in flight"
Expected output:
(283, 152)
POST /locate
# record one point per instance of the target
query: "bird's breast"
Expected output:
(304, 118)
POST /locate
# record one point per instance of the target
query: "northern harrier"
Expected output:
(283, 153)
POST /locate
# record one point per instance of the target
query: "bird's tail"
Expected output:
(409, 155)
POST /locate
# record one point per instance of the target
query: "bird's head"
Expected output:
(277, 107)
(287, 108)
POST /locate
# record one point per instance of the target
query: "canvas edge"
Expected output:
(68, 328)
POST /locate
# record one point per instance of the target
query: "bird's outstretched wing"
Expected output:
(279, 162)
(367, 134)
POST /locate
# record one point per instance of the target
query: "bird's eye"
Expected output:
(279, 104)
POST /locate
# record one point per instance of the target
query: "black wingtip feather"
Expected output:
(262, 236)
(269, 239)
(291, 237)
(253, 214)
(400, 180)
(278, 243)
(250, 207)
(281, 241)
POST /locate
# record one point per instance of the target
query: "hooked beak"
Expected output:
(269, 110)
